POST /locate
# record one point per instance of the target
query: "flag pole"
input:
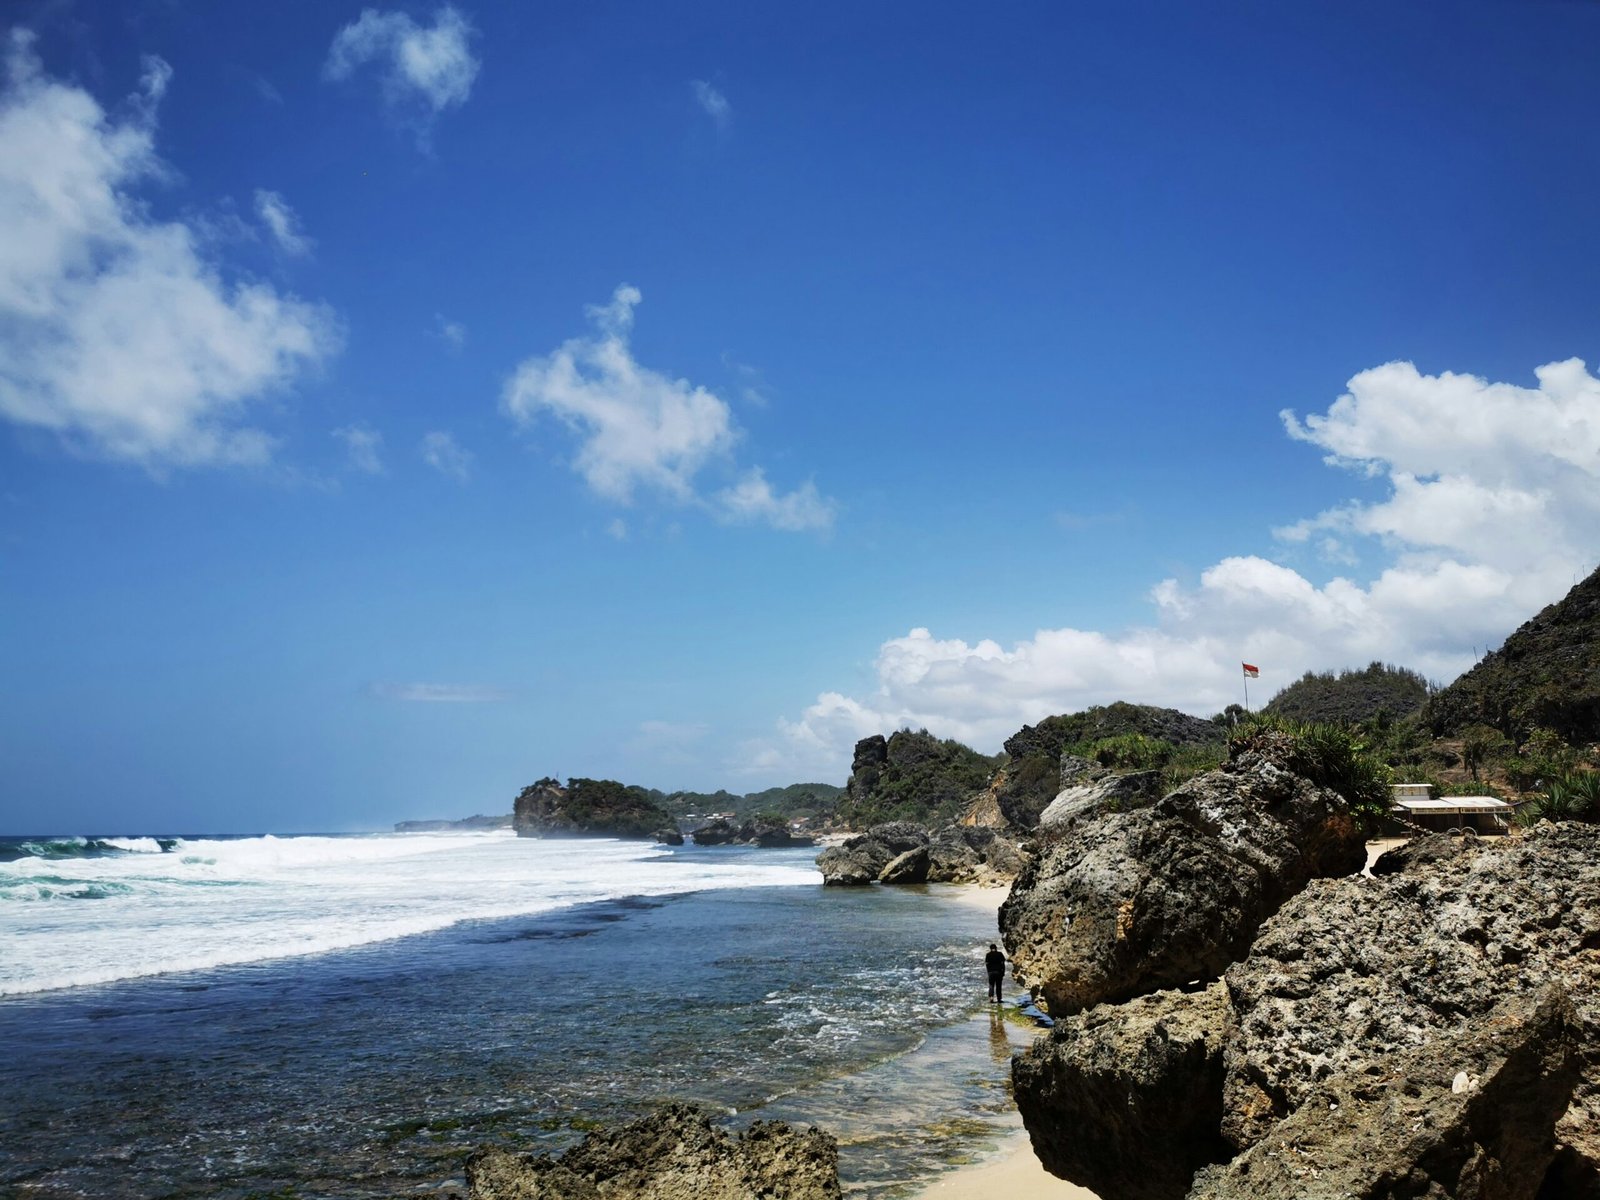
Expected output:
(1246, 693)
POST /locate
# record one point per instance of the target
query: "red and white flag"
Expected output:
(1249, 671)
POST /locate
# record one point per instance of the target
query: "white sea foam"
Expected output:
(218, 902)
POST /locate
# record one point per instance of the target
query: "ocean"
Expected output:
(349, 1016)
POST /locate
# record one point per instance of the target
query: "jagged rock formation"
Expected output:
(1126, 1099)
(901, 852)
(1104, 793)
(1431, 1030)
(757, 831)
(669, 837)
(911, 777)
(587, 808)
(1547, 674)
(673, 1154)
(1132, 902)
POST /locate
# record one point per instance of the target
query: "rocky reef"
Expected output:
(902, 852)
(1430, 1030)
(587, 808)
(673, 1154)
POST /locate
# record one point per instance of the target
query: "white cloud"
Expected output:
(1492, 510)
(423, 69)
(618, 529)
(714, 104)
(441, 452)
(441, 693)
(282, 223)
(752, 500)
(364, 446)
(117, 332)
(640, 430)
(454, 333)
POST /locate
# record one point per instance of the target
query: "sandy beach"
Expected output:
(1012, 1171)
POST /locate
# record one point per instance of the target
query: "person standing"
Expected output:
(995, 963)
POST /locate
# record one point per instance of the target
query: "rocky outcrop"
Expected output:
(912, 775)
(771, 834)
(1354, 971)
(1432, 1030)
(673, 1154)
(669, 837)
(1105, 794)
(861, 859)
(587, 808)
(1126, 1099)
(1132, 902)
(1470, 1114)
(901, 852)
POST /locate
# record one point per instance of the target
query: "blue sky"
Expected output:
(399, 404)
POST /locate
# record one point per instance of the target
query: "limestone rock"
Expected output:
(587, 808)
(1356, 971)
(1107, 793)
(673, 1154)
(715, 833)
(861, 859)
(1406, 1126)
(669, 837)
(1133, 902)
(910, 867)
(1126, 1099)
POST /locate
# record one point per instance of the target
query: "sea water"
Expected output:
(351, 1016)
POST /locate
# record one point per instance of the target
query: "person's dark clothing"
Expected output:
(995, 963)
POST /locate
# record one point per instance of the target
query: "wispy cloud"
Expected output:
(120, 333)
(642, 431)
(282, 223)
(712, 102)
(363, 446)
(423, 69)
(441, 693)
(454, 333)
(441, 452)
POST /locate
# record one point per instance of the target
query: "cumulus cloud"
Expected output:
(117, 332)
(282, 223)
(712, 102)
(364, 447)
(1492, 506)
(423, 70)
(441, 452)
(441, 693)
(642, 431)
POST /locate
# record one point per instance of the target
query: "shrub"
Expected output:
(1333, 756)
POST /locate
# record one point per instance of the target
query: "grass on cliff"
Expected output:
(1337, 757)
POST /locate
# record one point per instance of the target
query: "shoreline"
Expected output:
(1013, 1170)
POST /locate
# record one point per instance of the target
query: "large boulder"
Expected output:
(1163, 896)
(860, 860)
(1354, 972)
(1126, 1099)
(669, 837)
(771, 834)
(1103, 794)
(1471, 1113)
(719, 832)
(673, 1154)
(910, 867)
